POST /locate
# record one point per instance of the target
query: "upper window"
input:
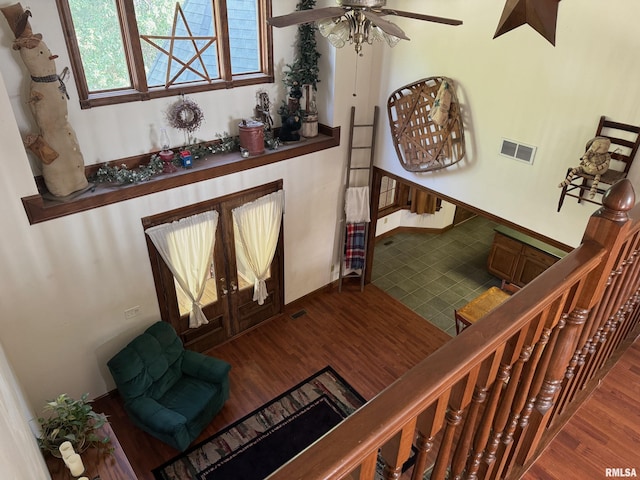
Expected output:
(126, 50)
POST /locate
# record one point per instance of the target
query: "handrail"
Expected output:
(480, 405)
(421, 386)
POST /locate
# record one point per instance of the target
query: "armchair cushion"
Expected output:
(169, 392)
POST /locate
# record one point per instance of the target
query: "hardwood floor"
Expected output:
(368, 337)
(604, 433)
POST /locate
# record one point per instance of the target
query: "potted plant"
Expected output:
(301, 77)
(71, 420)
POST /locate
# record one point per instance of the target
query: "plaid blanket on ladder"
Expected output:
(354, 254)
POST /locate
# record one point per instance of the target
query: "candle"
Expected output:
(75, 465)
(66, 449)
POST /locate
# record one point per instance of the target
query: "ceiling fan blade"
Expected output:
(386, 26)
(305, 16)
(420, 16)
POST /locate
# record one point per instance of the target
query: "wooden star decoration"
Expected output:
(542, 15)
(173, 38)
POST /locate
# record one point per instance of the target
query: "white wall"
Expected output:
(404, 218)
(20, 457)
(67, 282)
(520, 87)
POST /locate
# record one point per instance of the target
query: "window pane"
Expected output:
(387, 192)
(242, 16)
(100, 43)
(192, 60)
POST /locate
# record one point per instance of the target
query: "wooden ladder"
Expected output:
(351, 178)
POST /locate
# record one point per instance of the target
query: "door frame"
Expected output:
(207, 336)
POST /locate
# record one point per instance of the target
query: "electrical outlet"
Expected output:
(132, 312)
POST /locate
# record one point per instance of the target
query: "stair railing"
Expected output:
(485, 404)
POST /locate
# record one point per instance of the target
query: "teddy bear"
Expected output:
(595, 161)
(289, 129)
(56, 144)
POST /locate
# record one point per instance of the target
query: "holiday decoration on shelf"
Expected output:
(123, 175)
(263, 114)
(542, 15)
(55, 145)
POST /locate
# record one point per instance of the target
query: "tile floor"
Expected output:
(433, 274)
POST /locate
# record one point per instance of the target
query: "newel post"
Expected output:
(608, 227)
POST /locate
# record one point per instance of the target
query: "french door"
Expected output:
(227, 301)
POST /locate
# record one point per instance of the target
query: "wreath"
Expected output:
(185, 115)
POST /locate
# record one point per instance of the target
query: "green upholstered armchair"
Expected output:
(169, 392)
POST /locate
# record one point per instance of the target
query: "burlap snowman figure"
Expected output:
(56, 144)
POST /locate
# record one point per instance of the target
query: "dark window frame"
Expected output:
(133, 54)
(400, 200)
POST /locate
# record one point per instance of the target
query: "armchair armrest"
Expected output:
(204, 367)
(155, 417)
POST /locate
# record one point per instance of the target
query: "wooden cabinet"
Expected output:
(519, 258)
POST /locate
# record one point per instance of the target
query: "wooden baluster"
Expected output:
(487, 376)
(564, 347)
(609, 228)
(397, 450)
(592, 329)
(429, 424)
(514, 348)
(460, 397)
(530, 356)
(367, 469)
(484, 429)
(536, 386)
(627, 295)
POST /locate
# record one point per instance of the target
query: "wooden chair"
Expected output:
(625, 140)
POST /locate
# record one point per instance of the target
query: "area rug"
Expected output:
(256, 445)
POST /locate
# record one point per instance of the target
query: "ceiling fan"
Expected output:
(356, 22)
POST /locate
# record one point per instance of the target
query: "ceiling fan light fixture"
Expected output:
(379, 35)
(337, 31)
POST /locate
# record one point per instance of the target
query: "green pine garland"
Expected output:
(122, 175)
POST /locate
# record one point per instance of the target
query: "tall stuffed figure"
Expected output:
(595, 161)
(56, 144)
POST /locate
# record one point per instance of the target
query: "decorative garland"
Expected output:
(122, 175)
(185, 115)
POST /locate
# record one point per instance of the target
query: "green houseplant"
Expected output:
(71, 420)
(303, 73)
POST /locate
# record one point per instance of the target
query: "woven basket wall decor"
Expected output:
(421, 144)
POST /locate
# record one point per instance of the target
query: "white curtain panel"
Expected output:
(186, 246)
(258, 225)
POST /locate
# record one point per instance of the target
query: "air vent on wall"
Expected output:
(517, 151)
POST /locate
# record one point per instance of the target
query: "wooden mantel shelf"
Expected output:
(40, 209)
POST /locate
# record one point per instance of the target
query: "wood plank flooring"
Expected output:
(368, 337)
(604, 432)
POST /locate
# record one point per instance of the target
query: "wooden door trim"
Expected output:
(163, 278)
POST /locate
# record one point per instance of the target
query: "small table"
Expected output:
(97, 463)
(479, 307)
